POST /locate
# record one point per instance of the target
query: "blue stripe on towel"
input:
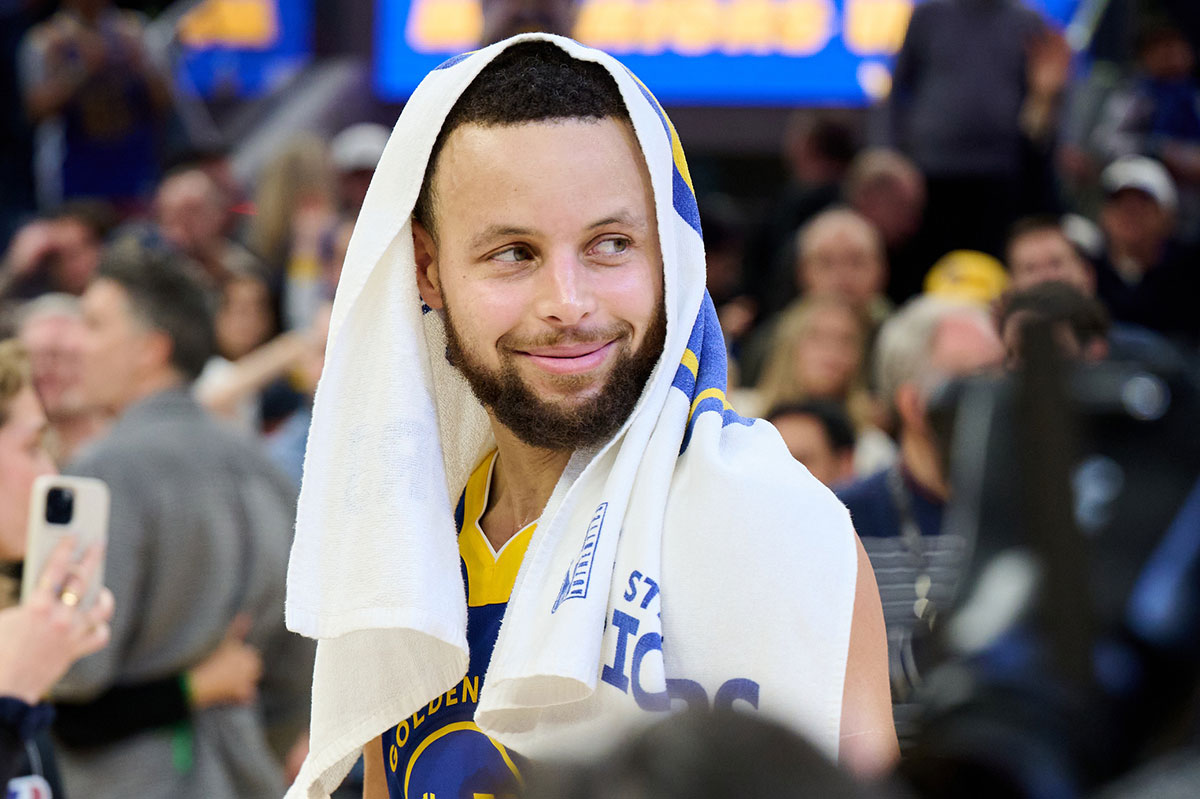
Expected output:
(701, 375)
(454, 59)
(683, 196)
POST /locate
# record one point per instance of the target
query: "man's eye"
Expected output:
(612, 246)
(513, 255)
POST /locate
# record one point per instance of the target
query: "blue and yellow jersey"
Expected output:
(438, 752)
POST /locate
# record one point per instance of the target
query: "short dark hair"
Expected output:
(1033, 224)
(832, 417)
(1057, 304)
(165, 295)
(529, 82)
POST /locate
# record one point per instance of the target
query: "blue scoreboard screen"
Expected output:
(690, 52)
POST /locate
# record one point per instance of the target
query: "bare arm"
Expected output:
(868, 735)
(254, 372)
(374, 780)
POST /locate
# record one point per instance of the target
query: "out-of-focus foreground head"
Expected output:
(23, 457)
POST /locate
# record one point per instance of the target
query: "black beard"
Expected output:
(547, 425)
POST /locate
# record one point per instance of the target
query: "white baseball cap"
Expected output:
(1144, 174)
(358, 147)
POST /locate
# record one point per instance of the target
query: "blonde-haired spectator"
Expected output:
(819, 352)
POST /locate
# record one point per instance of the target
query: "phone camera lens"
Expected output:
(60, 505)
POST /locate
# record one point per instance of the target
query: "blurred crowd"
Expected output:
(173, 323)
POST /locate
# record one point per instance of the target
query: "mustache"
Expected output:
(511, 342)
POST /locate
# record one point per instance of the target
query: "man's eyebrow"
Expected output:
(619, 218)
(491, 232)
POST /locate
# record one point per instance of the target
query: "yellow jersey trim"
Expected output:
(490, 574)
(459, 726)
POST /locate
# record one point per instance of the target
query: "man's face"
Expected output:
(191, 215)
(844, 262)
(829, 352)
(23, 458)
(1131, 218)
(547, 262)
(807, 441)
(243, 321)
(895, 206)
(1041, 256)
(55, 346)
(78, 254)
(965, 345)
(114, 344)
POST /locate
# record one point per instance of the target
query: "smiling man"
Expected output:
(529, 518)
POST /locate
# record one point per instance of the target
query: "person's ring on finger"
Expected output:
(72, 591)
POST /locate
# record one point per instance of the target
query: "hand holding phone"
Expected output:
(61, 507)
(43, 635)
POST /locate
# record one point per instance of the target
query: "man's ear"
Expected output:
(428, 280)
(156, 350)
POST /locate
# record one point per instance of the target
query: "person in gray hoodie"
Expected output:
(201, 528)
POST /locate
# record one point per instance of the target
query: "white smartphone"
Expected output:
(63, 505)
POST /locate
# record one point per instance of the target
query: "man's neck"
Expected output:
(920, 460)
(522, 481)
(149, 386)
(70, 432)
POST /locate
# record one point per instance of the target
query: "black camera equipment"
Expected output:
(1072, 650)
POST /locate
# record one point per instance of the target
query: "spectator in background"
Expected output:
(51, 329)
(98, 100)
(820, 435)
(355, 153)
(1078, 322)
(1039, 251)
(818, 146)
(193, 215)
(244, 321)
(44, 636)
(1157, 114)
(245, 318)
(296, 226)
(1146, 276)
(973, 83)
(842, 254)
(819, 353)
(898, 511)
(838, 253)
(889, 191)
(205, 525)
(59, 252)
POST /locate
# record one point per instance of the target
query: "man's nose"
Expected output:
(564, 293)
